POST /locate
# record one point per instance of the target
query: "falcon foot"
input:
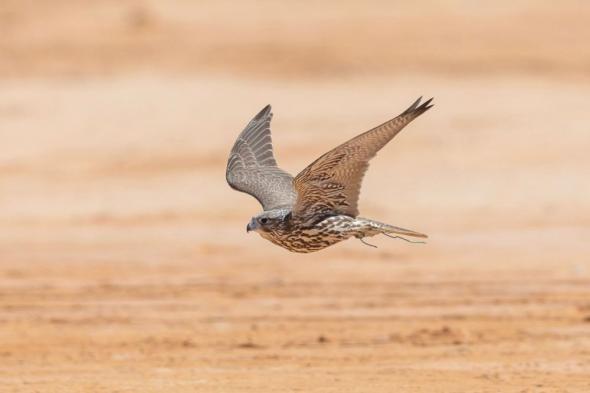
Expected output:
(367, 244)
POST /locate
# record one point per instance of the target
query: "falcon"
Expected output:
(317, 208)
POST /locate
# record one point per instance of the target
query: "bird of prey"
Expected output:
(318, 207)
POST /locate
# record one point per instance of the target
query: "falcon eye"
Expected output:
(264, 220)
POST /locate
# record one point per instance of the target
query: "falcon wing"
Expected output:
(331, 184)
(251, 167)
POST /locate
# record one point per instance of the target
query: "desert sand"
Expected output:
(124, 261)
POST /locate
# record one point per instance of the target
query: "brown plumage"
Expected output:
(318, 207)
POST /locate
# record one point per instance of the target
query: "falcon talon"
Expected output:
(368, 244)
(317, 208)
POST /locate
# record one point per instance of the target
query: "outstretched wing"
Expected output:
(251, 167)
(331, 184)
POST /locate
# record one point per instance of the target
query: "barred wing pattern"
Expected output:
(331, 184)
(252, 168)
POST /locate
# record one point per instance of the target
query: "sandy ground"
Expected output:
(124, 262)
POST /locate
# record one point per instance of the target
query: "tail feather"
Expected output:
(379, 227)
(401, 231)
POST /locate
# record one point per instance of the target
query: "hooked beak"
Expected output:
(252, 226)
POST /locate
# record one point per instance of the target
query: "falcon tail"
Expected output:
(401, 231)
(376, 227)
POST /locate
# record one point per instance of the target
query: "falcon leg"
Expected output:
(404, 239)
(367, 244)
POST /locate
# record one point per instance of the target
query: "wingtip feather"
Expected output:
(418, 107)
(263, 112)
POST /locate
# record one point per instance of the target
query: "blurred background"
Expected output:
(124, 262)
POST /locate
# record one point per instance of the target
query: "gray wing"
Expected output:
(251, 167)
(332, 183)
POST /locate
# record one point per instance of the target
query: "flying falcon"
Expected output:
(317, 208)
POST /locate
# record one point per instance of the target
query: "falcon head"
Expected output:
(268, 220)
